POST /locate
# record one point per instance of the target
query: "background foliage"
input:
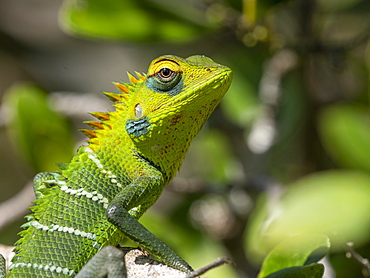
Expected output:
(283, 163)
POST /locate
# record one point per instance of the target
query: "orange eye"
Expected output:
(166, 74)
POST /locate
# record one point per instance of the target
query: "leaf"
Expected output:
(308, 271)
(133, 20)
(209, 143)
(334, 203)
(345, 133)
(295, 251)
(40, 135)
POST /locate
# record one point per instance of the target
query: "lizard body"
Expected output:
(132, 154)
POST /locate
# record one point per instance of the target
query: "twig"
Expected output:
(363, 261)
(214, 264)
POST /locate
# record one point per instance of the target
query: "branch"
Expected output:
(140, 265)
(212, 265)
(363, 261)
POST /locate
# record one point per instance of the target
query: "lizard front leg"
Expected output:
(123, 212)
(129, 205)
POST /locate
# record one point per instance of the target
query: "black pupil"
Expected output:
(166, 72)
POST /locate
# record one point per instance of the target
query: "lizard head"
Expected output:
(163, 110)
(172, 103)
(177, 91)
(174, 84)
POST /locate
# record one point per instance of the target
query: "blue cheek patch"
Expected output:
(138, 127)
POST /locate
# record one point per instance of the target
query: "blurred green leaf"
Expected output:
(211, 151)
(334, 203)
(241, 103)
(133, 20)
(295, 251)
(307, 271)
(345, 133)
(40, 135)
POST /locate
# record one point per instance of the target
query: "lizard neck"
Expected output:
(163, 145)
(167, 141)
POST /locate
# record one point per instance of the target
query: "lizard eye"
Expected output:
(166, 75)
(164, 80)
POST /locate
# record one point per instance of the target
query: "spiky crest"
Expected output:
(113, 96)
(90, 133)
(95, 124)
(103, 116)
(132, 78)
(141, 76)
(122, 87)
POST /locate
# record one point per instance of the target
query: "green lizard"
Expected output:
(132, 154)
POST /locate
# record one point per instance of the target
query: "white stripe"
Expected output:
(64, 229)
(51, 268)
(95, 196)
(93, 157)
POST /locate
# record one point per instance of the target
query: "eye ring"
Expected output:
(166, 74)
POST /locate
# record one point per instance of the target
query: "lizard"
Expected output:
(130, 155)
